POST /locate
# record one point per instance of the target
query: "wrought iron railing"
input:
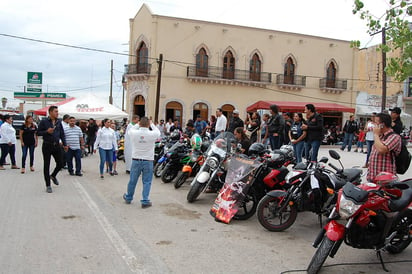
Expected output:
(138, 68)
(221, 73)
(293, 80)
(333, 84)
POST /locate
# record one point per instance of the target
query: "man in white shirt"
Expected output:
(169, 124)
(143, 142)
(221, 122)
(127, 144)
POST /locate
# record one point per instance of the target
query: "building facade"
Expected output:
(209, 65)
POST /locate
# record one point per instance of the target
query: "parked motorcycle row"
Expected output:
(374, 215)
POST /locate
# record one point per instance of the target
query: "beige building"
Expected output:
(209, 65)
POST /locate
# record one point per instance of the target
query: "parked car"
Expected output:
(18, 122)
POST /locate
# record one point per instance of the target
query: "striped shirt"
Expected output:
(73, 135)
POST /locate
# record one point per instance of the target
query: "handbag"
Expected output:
(250, 133)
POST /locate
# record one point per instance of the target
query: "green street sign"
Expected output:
(39, 96)
(34, 81)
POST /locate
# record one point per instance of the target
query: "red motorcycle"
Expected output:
(378, 216)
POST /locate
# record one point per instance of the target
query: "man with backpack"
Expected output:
(387, 146)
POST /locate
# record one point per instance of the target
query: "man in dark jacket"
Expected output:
(235, 121)
(314, 135)
(396, 120)
(351, 126)
(276, 127)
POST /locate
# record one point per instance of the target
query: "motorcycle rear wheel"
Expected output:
(320, 255)
(180, 179)
(248, 207)
(195, 191)
(268, 211)
(402, 238)
(158, 169)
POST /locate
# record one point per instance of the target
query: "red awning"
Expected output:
(299, 106)
(43, 111)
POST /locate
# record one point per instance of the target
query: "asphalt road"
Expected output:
(85, 227)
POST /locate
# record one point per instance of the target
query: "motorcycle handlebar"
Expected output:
(334, 167)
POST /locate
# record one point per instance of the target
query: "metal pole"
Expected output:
(383, 70)
(159, 78)
(111, 83)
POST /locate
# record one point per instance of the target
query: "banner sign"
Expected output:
(34, 81)
(39, 96)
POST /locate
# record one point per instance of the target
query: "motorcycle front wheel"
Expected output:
(169, 174)
(158, 169)
(195, 190)
(180, 179)
(248, 207)
(270, 216)
(402, 238)
(320, 255)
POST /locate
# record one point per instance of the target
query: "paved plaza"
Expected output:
(84, 226)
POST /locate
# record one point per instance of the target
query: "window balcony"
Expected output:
(292, 82)
(333, 86)
(137, 71)
(219, 75)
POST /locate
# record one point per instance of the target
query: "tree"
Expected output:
(395, 20)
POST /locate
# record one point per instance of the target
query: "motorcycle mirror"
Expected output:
(239, 146)
(334, 154)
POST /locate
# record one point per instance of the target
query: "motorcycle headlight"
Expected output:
(347, 207)
(213, 162)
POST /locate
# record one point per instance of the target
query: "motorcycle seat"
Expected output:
(402, 202)
(352, 173)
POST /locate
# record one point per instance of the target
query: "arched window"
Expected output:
(289, 72)
(139, 106)
(255, 68)
(200, 109)
(202, 63)
(142, 58)
(228, 66)
(331, 76)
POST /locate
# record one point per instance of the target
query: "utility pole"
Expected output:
(123, 84)
(159, 79)
(383, 70)
(111, 83)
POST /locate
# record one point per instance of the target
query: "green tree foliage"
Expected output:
(395, 20)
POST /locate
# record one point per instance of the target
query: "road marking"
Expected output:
(122, 248)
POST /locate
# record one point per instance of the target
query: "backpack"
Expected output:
(403, 159)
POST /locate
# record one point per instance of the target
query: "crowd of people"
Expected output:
(66, 139)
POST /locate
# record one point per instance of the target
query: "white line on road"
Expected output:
(122, 248)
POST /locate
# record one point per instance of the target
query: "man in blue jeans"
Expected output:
(314, 132)
(143, 141)
(350, 127)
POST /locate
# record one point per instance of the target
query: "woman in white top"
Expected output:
(8, 142)
(106, 141)
(369, 138)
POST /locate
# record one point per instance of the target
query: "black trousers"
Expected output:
(10, 150)
(48, 151)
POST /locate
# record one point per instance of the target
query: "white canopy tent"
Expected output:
(91, 106)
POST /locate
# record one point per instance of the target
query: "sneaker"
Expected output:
(356, 150)
(125, 200)
(31, 168)
(49, 189)
(23, 170)
(54, 180)
(79, 174)
(14, 167)
(115, 173)
(2, 168)
(146, 205)
(111, 173)
(101, 177)
(366, 166)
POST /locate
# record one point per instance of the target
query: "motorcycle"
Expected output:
(378, 216)
(120, 151)
(267, 172)
(162, 153)
(212, 172)
(306, 189)
(195, 161)
(176, 157)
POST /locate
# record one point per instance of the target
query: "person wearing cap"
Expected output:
(235, 121)
(396, 120)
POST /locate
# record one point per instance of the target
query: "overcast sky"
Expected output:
(104, 25)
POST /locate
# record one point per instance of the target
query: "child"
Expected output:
(361, 141)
